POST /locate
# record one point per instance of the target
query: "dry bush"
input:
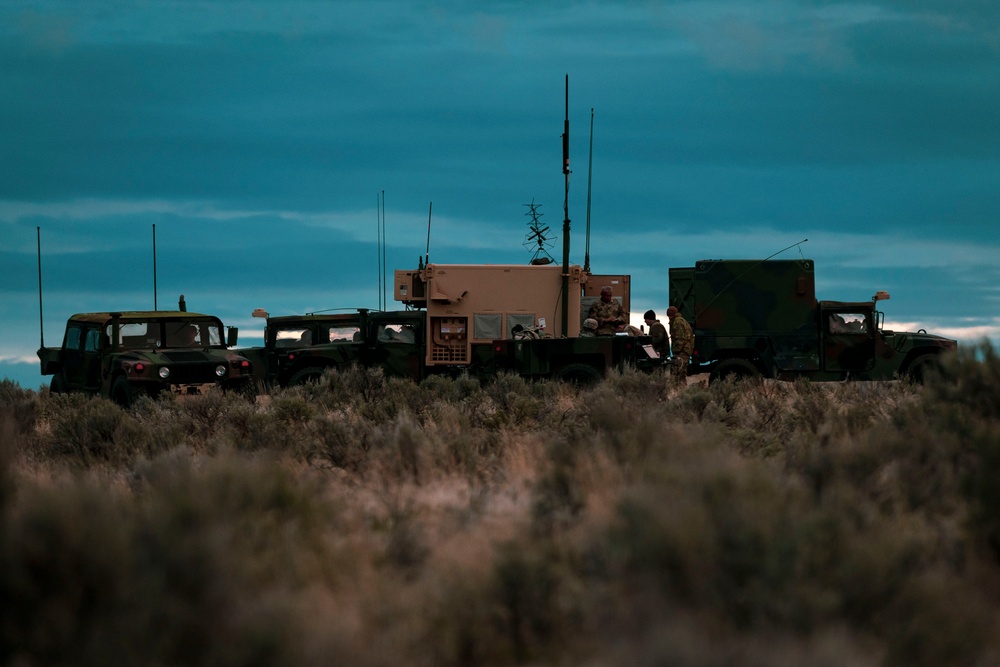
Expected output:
(512, 522)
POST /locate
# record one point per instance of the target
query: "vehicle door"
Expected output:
(848, 340)
(92, 357)
(72, 355)
(397, 348)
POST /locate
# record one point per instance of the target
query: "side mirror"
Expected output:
(232, 336)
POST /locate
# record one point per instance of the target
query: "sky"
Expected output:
(259, 138)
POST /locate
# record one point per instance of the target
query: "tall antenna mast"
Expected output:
(385, 281)
(590, 172)
(378, 247)
(155, 305)
(41, 324)
(566, 173)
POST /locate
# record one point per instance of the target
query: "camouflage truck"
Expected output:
(761, 318)
(300, 348)
(122, 355)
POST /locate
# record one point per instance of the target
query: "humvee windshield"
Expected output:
(145, 334)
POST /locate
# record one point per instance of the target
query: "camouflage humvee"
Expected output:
(122, 355)
(299, 348)
(761, 317)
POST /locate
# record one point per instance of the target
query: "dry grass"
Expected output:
(371, 521)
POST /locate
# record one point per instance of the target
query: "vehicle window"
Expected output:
(847, 323)
(293, 337)
(72, 338)
(343, 333)
(136, 335)
(396, 333)
(92, 342)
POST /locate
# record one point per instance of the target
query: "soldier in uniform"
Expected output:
(659, 334)
(609, 313)
(589, 328)
(682, 343)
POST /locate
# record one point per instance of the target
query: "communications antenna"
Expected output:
(537, 236)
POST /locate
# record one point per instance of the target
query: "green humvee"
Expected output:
(761, 317)
(122, 355)
(299, 348)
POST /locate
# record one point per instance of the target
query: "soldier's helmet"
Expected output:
(590, 323)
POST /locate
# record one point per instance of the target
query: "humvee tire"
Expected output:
(122, 392)
(738, 369)
(307, 374)
(58, 384)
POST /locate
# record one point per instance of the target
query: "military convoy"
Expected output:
(761, 318)
(124, 355)
(750, 318)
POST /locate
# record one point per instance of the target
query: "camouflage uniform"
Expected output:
(682, 343)
(660, 342)
(608, 310)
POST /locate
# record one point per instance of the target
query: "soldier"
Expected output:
(608, 312)
(682, 343)
(659, 334)
(589, 328)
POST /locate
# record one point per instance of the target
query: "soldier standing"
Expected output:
(659, 334)
(682, 343)
(608, 312)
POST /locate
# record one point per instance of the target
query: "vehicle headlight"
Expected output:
(220, 370)
(164, 372)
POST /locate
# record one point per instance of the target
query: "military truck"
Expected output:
(761, 318)
(122, 355)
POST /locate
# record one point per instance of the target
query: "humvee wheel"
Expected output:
(58, 384)
(122, 392)
(580, 374)
(307, 374)
(921, 368)
(738, 369)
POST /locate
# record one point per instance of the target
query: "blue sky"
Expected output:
(257, 137)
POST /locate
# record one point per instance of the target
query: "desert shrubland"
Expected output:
(373, 521)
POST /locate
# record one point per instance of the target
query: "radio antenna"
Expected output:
(590, 172)
(378, 245)
(566, 173)
(155, 304)
(385, 265)
(41, 323)
(427, 252)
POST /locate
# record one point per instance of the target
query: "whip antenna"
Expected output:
(590, 172)
(41, 324)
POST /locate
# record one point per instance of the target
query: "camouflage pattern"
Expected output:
(765, 313)
(609, 315)
(580, 360)
(681, 336)
(393, 341)
(658, 334)
(123, 355)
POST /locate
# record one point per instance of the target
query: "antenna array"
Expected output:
(537, 236)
